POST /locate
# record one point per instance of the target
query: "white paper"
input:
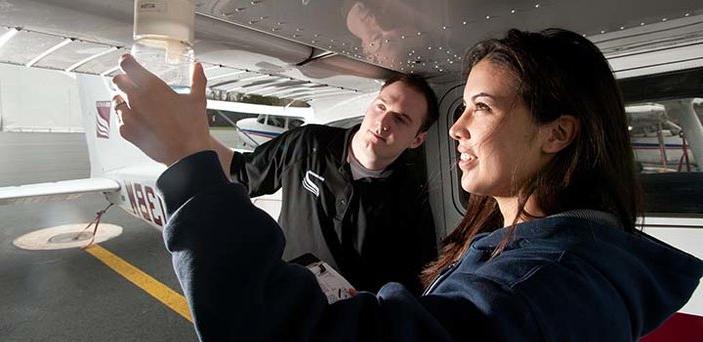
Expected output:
(332, 283)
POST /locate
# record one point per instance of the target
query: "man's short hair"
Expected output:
(419, 84)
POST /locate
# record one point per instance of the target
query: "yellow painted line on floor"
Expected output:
(156, 289)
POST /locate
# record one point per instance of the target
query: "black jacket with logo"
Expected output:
(373, 230)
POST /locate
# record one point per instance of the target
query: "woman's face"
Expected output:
(499, 144)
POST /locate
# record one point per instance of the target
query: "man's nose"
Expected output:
(385, 122)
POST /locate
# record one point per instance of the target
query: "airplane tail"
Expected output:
(108, 150)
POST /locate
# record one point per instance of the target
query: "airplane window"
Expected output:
(658, 140)
(294, 123)
(666, 139)
(463, 195)
(277, 121)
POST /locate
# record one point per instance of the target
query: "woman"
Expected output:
(548, 249)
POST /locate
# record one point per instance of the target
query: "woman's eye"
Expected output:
(381, 106)
(482, 106)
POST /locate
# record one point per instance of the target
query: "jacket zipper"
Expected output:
(442, 275)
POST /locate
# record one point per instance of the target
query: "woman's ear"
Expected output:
(559, 133)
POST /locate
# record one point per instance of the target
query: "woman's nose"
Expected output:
(459, 129)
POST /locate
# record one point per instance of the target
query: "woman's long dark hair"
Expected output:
(560, 73)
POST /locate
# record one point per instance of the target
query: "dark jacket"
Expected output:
(373, 230)
(570, 277)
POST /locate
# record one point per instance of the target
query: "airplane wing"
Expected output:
(62, 190)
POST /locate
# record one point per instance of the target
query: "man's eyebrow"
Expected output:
(405, 116)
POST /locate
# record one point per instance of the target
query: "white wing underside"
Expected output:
(62, 190)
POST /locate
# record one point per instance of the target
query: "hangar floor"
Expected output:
(70, 295)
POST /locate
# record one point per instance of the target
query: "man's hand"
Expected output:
(165, 125)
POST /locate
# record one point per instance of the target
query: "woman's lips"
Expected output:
(466, 160)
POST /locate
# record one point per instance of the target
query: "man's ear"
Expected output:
(559, 133)
(419, 139)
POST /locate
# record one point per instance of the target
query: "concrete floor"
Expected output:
(69, 295)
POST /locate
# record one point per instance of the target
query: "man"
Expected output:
(353, 198)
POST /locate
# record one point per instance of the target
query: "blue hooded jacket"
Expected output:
(574, 276)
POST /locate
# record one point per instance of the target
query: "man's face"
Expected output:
(392, 122)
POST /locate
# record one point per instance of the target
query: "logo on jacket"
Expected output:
(102, 120)
(309, 185)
